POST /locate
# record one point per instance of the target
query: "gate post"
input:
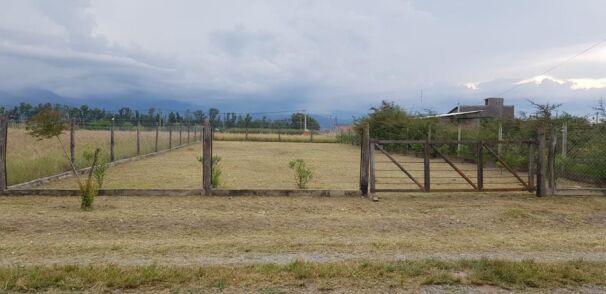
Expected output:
(540, 191)
(372, 168)
(426, 165)
(3, 143)
(207, 159)
(364, 160)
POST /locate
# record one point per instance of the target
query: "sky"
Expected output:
(323, 56)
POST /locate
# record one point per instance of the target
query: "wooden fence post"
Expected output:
(480, 165)
(3, 143)
(540, 180)
(551, 154)
(364, 160)
(207, 144)
(170, 136)
(72, 143)
(531, 166)
(372, 168)
(138, 137)
(426, 164)
(180, 131)
(157, 135)
(195, 133)
(188, 126)
(564, 140)
(112, 142)
(311, 136)
(500, 138)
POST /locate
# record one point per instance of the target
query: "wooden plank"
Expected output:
(421, 187)
(364, 160)
(207, 159)
(3, 144)
(455, 167)
(507, 167)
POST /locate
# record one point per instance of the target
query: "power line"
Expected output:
(556, 66)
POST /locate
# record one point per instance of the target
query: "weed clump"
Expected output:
(303, 174)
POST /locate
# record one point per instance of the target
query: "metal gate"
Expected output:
(451, 166)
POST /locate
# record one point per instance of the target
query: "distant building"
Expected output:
(492, 108)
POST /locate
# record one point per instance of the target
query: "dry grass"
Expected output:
(320, 138)
(28, 158)
(262, 165)
(202, 230)
(299, 276)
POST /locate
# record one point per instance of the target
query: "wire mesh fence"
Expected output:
(29, 158)
(580, 157)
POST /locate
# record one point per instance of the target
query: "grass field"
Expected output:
(306, 244)
(28, 158)
(260, 165)
(264, 137)
(264, 165)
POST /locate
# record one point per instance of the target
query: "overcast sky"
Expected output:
(323, 56)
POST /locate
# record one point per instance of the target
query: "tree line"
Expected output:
(99, 118)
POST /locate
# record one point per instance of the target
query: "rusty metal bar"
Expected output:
(507, 166)
(400, 167)
(454, 167)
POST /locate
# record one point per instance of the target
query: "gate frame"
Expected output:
(536, 164)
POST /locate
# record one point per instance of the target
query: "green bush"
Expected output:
(302, 173)
(216, 170)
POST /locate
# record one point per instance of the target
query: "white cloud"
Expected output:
(323, 55)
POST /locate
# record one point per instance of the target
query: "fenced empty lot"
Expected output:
(303, 244)
(244, 165)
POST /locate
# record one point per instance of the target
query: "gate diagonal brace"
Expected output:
(460, 172)
(421, 187)
(506, 166)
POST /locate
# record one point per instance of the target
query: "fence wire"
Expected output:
(580, 157)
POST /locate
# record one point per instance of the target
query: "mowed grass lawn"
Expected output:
(258, 165)
(275, 244)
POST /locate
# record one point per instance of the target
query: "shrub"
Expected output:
(48, 123)
(100, 169)
(302, 173)
(216, 170)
